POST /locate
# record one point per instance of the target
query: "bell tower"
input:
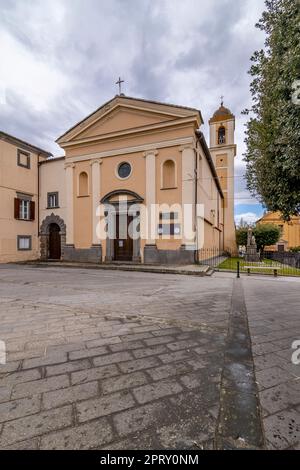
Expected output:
(223, 151)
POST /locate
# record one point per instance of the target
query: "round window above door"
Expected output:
(124, 170)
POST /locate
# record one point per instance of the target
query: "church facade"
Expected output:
(138, 183)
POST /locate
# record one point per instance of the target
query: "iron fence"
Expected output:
(268, 262)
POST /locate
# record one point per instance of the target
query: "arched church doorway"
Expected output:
(122, 216)
(54, 241)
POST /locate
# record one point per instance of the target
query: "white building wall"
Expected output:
(52, 179)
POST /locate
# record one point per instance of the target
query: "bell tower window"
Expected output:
(221, 135)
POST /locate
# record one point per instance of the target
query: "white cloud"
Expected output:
(248, 217)
(60, 60)
(33, 79)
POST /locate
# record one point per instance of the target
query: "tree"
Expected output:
(241, 236)
(266, 235)
(295, 249)
(273, 130)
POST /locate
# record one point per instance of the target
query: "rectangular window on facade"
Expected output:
(168, 215)
(24, 209)
(23, 159)
(169, 229)
(52, 200)
(24, 242)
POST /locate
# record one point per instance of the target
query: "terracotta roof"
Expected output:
(129, 98)
(22, 143)
(222, 114)
(52, 159)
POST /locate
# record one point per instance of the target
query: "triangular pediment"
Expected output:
(123, 118)
(124, 114)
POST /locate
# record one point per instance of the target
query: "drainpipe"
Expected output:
(38, 201)
(196, 256)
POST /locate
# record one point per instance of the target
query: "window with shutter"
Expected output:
(32, 210)
(24, 209)
(17, 208)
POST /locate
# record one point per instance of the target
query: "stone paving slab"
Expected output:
(274, 320)
(101, 359)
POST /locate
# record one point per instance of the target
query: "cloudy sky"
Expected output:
(60, 60)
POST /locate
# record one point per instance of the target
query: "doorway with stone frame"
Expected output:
(52, 237)
(122, 214)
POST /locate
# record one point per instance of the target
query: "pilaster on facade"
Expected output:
(151, 218)
(96, 192)
(69, 168)
(188, 177)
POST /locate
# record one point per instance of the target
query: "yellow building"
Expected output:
(290, 231)
(145, 164)
(19, 189)
(138, 183)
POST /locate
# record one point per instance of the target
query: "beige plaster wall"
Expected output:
(131, 148)
(52, 179)
(13, 179)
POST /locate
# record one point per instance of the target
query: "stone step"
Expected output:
(191, 270)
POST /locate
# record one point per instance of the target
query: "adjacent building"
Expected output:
(290, 231)
(19, 201)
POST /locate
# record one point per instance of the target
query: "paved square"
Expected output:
(274, 320)
(110, 359)
(122, 360)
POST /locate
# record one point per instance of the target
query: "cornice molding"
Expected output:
(131, 132)
(223, 147)
(140, 148)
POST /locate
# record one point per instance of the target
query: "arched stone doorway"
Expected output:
(52, 237)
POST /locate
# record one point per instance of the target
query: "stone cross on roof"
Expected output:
(119, 82)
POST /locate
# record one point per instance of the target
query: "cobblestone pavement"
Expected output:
(110, 360)
(274, 320)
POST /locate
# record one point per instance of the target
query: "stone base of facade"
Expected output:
(152, 255)
(83, 255)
